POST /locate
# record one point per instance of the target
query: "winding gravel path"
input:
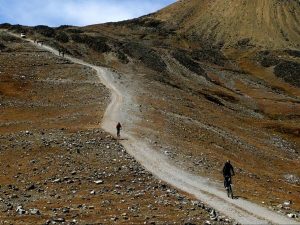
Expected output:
(202, 188)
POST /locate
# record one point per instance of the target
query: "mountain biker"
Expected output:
(119, 128)
(228, 172)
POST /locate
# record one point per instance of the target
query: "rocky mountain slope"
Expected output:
(209, 85)
(57, 166)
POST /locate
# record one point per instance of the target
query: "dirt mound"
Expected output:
(269, 23)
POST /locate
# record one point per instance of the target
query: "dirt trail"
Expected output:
(202, 188)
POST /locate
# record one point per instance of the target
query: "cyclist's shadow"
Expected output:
(238, 197)
(122, 139)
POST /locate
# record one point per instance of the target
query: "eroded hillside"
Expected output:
(267, 23)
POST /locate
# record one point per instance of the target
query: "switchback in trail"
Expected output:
(202, 188)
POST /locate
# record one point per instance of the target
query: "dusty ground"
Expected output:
(39, 90)
(200, 135)
(57, 166)
(57, 173)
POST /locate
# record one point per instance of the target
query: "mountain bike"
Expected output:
(228, 186)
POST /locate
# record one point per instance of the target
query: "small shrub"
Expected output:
(74, 31)
(18, 28)
(294, 53)
(267, 59)
(243, 42)
(122, 57)
(210, 55)
(147, 55)
(45, 31)
(183, 58)
(2, 46)
(96, 43)
(289, 72)
(9, 38)
(77, 38)
(62, 37)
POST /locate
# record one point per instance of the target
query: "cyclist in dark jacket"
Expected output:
(119, 128)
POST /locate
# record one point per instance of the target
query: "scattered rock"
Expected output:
(31, 187)
(20, 210)
(58, 180)
(59, 220)
(34, 212)
(287, 203)
(292, 215)
(66, 210)
(292, 179)
(98, 182)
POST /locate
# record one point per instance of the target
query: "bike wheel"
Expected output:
(230, 191)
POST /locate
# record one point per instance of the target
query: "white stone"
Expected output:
(98, 182)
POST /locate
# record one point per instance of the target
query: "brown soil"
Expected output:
(52, 154)
(269, 23)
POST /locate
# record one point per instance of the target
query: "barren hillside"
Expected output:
(267, 23)
(200, 103)
(57, 166)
